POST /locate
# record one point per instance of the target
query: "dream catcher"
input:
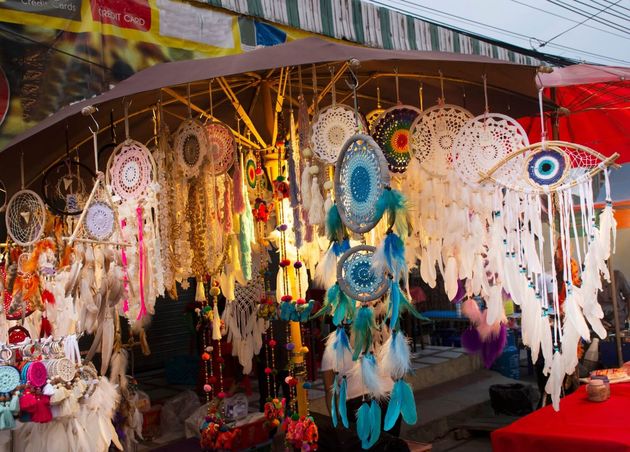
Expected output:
(250, 169)
(64, 187)
(190, 145)
(221, 146)
(360, 178)
(25, 215)
(130, 170)
(433, 135)
(332, 128)
(356, 277)
(552, 181)
(391, 132)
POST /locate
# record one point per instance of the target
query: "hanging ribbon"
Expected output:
(143, 308)
(123, 223)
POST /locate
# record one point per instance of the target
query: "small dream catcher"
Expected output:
(221, 147)
(25, 217)
(190, 145)
(391, 132)
(433, 135)
(332, 127)
(130, 170)
(250, 169)
(360, 176)
(484, 141)
(356, 277)
(64, 188)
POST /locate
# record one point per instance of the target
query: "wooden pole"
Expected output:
(614, 296)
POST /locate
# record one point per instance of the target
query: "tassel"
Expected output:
(246, 237)
(362, 328)
(227, 208)
(200, 293)
(239, 200)
(216, 323)
(294, 183)
(316, 210)
(306, 188)
(394, 356)
(45, 328)
(343, 393)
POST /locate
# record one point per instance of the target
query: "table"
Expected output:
(580, 425)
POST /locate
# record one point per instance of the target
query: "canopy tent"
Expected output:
(245, 84)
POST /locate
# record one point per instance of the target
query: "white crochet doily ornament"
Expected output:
(221, 147)
(99, 221)
(484, 141)
(433, 135)
(25, 217)
(332, 127)
(131, 170)
(190, 145)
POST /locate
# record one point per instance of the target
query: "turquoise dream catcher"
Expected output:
(364, 274)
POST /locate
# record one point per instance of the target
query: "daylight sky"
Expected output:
(604, 38)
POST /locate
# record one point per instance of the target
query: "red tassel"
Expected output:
(48, 297)
(45, 329)
(227, 208)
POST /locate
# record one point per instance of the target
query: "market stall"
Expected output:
(311, 165)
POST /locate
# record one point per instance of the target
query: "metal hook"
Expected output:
(89, 111)
(126, 105)
(353, 84)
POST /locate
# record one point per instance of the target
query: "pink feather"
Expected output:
(470, 309)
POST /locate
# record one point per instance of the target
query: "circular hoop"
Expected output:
(66, 196)
(36, 374)
(65, 369)
(99, 221)
(433, 135)
(391, 131)
(9, 379)
(190, 145)
(130, 170)
(360, 176)
(250, 169)
(332, 127)
(485, 140)
(221, 147)
(25, 217)
(18, 334)
(355, 275)
(372, 116)
(3, 197)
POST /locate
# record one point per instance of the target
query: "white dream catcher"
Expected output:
(26, 215)
(190, 144)
(221, 147)
(130, 170)
(433, 135)
(555, 183)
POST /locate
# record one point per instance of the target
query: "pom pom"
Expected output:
(207, 388)
(316, 209)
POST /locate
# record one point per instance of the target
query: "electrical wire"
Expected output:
(608, 9)
(620, 6)
(577, 25)
(569, 19)
(529, 39)
(578, 11)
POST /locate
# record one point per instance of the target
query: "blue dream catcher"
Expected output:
(360, 177)
(356, 277)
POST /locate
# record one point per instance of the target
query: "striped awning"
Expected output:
(371, 25)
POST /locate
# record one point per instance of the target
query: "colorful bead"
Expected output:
(215, 291)
(205, 356)
(290, 346)
(297, 264)
(272, 343)
(207, 388)
(300, 301)
(268, 370)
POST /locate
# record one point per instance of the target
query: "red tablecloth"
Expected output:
(580, 425)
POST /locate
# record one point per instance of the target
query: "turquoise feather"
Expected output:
(333, 403)
(334, 225)
(408, 403)
(393, 409)
(375, 423)
(345, 309)
(306, 311)
(363, 422)
(341, 345)
(394, 304)
(330, 302)
(343, 411)
(394, 204)
(362, 331)
(394, 249)
(408, 307)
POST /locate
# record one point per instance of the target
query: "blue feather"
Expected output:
(340, 247)
(393, 408)
(408, 403)
(394, 304)
(343, 412)
(333, 403)
(334, 225)
(341, 346)
(362, 331)
(375, 423)
(363, 423)
(394, 249)
(394, 204)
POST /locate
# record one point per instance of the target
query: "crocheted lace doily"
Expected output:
(221, 147)
(355, 275)
(190, 145)
(99, 221)
(25, 217)
(332, 127)
(360, 177)
(391, 132)
(433, 135)
(9, 379)
(131, 170)
(483, 142)
(65, 369)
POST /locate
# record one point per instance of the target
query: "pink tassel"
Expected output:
(227, 209)
(239, 201)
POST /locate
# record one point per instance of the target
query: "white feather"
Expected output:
(394, 356)
(326, 270)
(554, 383)
(316, 215)
(369, 373)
